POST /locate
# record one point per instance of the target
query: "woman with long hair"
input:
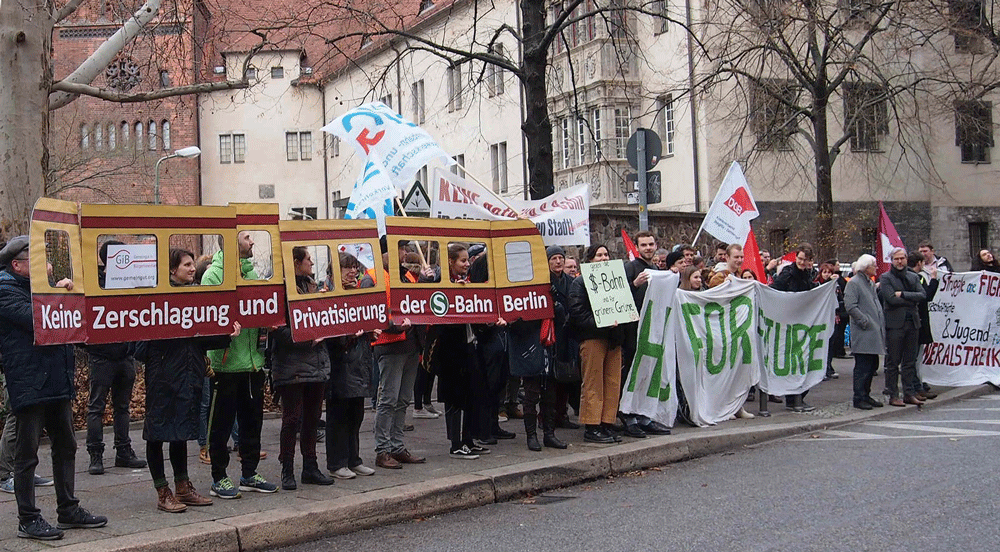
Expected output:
(985, 261)
(600, 360)
(175, 374)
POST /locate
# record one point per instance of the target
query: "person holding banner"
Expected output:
(600, 359)
(797, 276)
(985, 261)
(175, 374)
(901, 293)
(867, 329)
(929, 282)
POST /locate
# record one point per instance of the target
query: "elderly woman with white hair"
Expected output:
(867, 329)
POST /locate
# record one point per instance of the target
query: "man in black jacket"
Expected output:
(797, 276)
(929, 281)
(112, 371)
(40, 385)
(901, 294)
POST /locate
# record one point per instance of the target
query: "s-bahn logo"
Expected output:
(439, 303)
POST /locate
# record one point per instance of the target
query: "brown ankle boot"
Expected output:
(187, 495)
(167, 502)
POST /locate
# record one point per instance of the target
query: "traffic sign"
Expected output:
(417, 200)
(654, 148)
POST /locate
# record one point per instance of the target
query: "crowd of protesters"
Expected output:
(212, 389)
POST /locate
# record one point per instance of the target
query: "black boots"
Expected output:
(533, 443)
(550, 440)
(126, 458)
(96, 462)
(311, 474)
(288, 476)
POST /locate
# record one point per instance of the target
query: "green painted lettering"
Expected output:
(815, 344)
(710, 309)
(741, 339)
(689, 310)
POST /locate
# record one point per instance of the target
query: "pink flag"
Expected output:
(888, 239)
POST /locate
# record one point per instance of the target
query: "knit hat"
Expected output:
(553, 250)
(673, 257)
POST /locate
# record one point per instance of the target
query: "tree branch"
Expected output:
(67, 10)
(77, 89)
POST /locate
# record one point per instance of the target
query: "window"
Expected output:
(165, 131)
(520, 267)
(277, 72)
(298, 145)
(969, 23)
(99, 137)
(164, 78)
(57, 255)
(112, 138)
(974, 130)
(857, 13)
(239, 148)
(84, 137)
(777, 241)
(494, 74)
(305, 146)
(335, 146)
(665, 123)
(773, 116)
(566, 141)
(866, 116)
(660, 20)
(454, 88)
(417, 90)
(303, 213)
(422, 176)
(459, 167)
(152, 135)
(595, 123)
(498, 164)
(387, 100)
(129, 260)
(618, 19)
(250, 74)
(125, 129)
(139, 136)
(623, 129)
(979, 238)
(426, 5)
(582, 142)
(232, 148)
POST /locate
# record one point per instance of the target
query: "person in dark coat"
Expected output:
(40, 388)
(175, 374)
(830, 270)
(985, 261)
(797, 276)
(901, 294)
(567, 348)
(600, 360)
(351, 361)
(928, 276)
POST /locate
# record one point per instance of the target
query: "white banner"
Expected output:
(562, 218)
(729, 216)
(794, 331)
(965, 326)
(715, 349)
(381, 135)
(650, 387)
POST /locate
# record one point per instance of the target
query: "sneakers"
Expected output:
(430, 408)
(744, 415)
(476, 448)
(43, 481)
(38, 529)
(224, 489)
(257, 484)
(344, 473)
(424, 414)
(362, 469)
(81, 519)
(126, 458)
(8, 485)
(463, 453)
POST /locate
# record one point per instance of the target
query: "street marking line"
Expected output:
(872, 437)
(931, 429)
(969, 410)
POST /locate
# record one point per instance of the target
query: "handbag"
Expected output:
(567, 371)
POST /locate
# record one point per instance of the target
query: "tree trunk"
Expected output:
(25, 66)
(536, 126)
(826, 242)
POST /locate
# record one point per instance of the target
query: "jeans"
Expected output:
(397, 373)
(864, 370)
(206, 401)
(236, 396)
(301, 406)
(57, 419)
(115, 378)
(343, 424)
(901, 360)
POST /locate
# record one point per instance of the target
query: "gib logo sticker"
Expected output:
(439, 303)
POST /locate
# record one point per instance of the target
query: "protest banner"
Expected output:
(59, 315)
(965, 327)
(794, 331)
(609, 292)
(562, 218)
(716, 337)
(383, 137)
(261, 301)
(729, 216)
(333, 310)
(521, 271)
(650, 388)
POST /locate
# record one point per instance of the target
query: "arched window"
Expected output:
(152, 135)
(99, 137)
(112, 142)
(125, 128)
(165, 131)
(84, 137)
(138, 135)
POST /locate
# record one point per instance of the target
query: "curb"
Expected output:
(294, 525)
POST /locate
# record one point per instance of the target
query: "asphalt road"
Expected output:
(925, 481)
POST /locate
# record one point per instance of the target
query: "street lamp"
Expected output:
(187, 153)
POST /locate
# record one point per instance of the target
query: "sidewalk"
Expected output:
(263, 521)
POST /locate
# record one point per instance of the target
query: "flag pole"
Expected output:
(423, 262)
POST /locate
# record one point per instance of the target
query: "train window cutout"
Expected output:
(59, 314)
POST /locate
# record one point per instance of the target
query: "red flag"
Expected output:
(633, 252)
(751, 257)
(888, 239)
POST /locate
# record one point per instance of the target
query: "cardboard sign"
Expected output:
(60, 316)
(262, 300)
(609, 293)
(522, 271)
(334, 309)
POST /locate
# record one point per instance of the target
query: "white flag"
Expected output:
(733, 208)
(381, 135)
(372, 197)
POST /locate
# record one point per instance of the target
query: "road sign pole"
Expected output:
(641, 179)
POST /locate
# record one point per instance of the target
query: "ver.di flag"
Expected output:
(729, 216)
(794, 332)
(650, 387)
(381, 135)
(716, 336)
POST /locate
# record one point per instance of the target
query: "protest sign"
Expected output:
(59, 315)
(715, 349)
(794, 331)
(965, 327)
(609, 292)
(650, 388)
(562, 218)
(131, 266)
